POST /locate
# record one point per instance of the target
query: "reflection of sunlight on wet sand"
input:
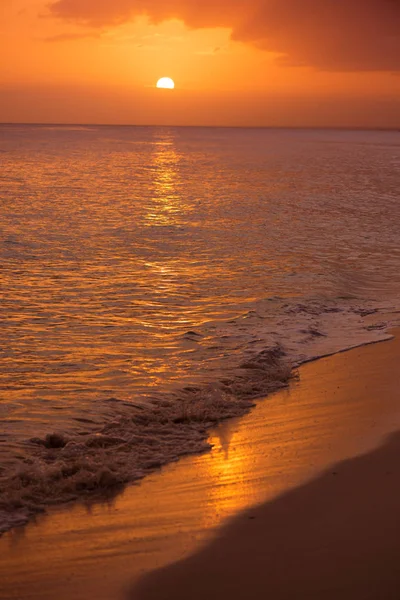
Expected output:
(166, 204)
(229, 469)
(325, 418)
(341, 406)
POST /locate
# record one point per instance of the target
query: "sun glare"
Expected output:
(166, 83)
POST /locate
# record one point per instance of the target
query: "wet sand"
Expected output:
(334, 538)
(331, 532)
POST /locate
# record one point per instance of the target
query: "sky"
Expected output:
(234, 62)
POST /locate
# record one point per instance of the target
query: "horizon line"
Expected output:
(152, 125)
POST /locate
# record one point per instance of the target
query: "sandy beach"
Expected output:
(336, 537)
(264, 513)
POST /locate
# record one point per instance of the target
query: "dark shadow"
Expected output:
(337, 537)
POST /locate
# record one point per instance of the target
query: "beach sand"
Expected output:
(247, 519)
(334, 538)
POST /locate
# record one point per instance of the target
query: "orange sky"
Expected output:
(237, 62)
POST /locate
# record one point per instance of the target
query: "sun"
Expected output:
(166, 83)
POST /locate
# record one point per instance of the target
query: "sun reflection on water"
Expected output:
(166, 202)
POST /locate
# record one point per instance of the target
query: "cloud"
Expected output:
(337, 35)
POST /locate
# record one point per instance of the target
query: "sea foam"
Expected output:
(136, 439)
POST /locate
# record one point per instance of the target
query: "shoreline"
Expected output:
(137, 440)
(333, 412)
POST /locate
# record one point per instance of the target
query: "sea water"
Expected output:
(139, 261)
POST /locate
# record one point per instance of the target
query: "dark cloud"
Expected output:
(339, 35)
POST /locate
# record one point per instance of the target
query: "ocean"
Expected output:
(144, 268)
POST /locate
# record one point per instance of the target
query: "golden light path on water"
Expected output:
(169, 204)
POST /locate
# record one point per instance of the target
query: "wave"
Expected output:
(136, 439)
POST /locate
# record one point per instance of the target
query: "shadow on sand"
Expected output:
(336, 537)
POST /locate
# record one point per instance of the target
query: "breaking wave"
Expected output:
(138, 438)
